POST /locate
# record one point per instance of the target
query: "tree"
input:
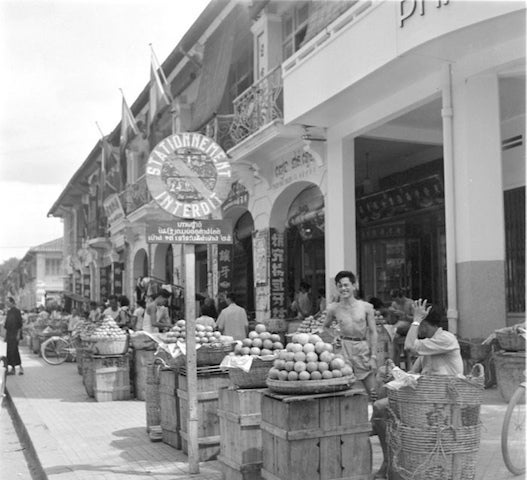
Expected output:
(5, 268)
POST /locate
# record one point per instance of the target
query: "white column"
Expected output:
(341, 232)
(479, 205)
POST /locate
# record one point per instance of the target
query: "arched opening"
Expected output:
(242, 262)
(140, 268)
(163, 269)
(305, 242)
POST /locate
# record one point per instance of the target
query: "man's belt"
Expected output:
(354, 339)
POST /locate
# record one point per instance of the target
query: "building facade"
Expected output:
(38, 277)
(382, 137)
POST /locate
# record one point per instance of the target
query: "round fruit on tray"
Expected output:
(305, 387)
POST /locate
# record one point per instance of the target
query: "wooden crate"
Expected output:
(321, 436)
(141, 359)
(210, 380)
(152, 396)
(87, 373)
(169, 407)
(111, 377)
(240, 435)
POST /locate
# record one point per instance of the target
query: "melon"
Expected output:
(326, 374)
(311, 366)
(282, 375)
(273, 373)
(304, 376)
(292, 376)
(300, 356)
(316, 375)
(323, 366)
(299, 366)
(289, 365)
(260, 328)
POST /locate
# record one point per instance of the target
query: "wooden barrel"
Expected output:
(152, 400)
(111, 377)
(169, 407)
(240, 415)
(316, 436)
(87, 373)
(210, 380)
(141, 359)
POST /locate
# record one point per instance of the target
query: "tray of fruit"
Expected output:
(108, 338)
(308, 365)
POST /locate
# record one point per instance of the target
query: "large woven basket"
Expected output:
(438, 400)
(255, 377)
(213, 355)
(510, 340)
(437, 453)
(474, 349)
(110, 346)
(306, 387)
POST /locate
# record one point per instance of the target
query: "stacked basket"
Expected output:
(434, 432)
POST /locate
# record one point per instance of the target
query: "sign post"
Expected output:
(189, 176)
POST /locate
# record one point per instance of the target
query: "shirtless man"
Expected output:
(358, 333)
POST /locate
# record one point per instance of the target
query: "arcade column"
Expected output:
(478, 193)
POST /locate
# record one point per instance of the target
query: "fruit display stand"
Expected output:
(239, 412)
(316, 436)
(111, 377)
(169, 407)
(209, 381)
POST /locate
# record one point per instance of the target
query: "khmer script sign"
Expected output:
(191, 231)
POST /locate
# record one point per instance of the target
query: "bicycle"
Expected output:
(513, 433)
(56, 350)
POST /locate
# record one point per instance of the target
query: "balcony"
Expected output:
(96, 233)
(135, 196)
(258, 106)
(218, 128)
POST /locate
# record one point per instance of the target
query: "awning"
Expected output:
(217, 57)
(75, 297)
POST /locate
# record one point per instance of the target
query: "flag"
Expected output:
(159, 88)
(128, 123)
(110, 173)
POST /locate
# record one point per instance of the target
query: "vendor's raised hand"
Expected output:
(421, 310)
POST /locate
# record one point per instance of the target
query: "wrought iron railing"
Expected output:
(218, 128)
(135, 196)
(259, 105)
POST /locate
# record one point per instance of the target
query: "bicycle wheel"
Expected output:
(513, 433)
(55, 351)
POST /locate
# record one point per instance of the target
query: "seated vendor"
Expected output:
(438, 354)
(400, 313)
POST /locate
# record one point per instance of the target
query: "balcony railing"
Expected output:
(258, 106)
(218, 128)
(135, 196)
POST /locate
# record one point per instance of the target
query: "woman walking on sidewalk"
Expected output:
(13, 331)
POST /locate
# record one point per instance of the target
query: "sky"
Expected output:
(63, 63)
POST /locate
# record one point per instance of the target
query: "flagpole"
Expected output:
(103, 162)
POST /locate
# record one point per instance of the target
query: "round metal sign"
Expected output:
(188, 175)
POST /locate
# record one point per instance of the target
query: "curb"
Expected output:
(36, 469)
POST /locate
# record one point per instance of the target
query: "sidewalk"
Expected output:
(74, 437)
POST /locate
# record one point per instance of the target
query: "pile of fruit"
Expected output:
(205, 335)
(107, 329)
(259, 342)
(307, 357)
(313, 324)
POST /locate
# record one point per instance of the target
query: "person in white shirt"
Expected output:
(439, 354)
(113, 308)
(233, 319)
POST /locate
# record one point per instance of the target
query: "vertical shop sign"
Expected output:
(118, 278)
(277, 274)
(261, 259)
(86, 285)
(105, 281)
(78, 283)
(224, 269)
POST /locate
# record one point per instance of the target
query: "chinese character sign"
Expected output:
(261, 258)
(86, 285)
(224, 269)
(118, 278)
(277, 267)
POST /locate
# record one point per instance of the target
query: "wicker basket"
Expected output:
(510, 340)
(213, 355)
(473, 349)
(255, 377)
(110, 346)
(440, 453)
(306, 387)
(510, 368)
(437, 400)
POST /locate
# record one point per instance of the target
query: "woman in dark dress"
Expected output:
(13, 330)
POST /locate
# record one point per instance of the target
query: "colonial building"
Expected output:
(382, 137)
(38, 277)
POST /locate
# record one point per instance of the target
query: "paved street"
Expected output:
(75, 437)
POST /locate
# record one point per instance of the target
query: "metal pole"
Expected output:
(192, 376)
